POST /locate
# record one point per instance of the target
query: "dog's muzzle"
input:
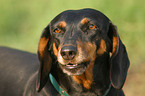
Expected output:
(70, 61)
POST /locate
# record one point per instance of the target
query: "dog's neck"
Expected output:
(100, 81)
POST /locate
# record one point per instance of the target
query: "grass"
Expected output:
(21, 24)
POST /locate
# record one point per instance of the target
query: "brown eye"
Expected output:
(91, 27)
(57, 30)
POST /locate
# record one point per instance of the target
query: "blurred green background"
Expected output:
(22, 21)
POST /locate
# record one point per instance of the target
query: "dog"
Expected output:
(80, 53)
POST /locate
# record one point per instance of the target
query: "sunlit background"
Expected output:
(22, 21)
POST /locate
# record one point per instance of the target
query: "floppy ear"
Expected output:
(119, 59)
(45, 59)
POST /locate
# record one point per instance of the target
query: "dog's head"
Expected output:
(77, 38)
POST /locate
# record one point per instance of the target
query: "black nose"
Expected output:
(68, 52)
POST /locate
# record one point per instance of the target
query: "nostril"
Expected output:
(63, 54)
(72, 53)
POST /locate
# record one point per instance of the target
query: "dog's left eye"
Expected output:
(57, 30)
(92, 26)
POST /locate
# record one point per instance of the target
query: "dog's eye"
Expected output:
(92, 26)
(57, 30)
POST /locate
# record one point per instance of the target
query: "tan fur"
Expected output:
(62, 24)
(42, 44)
(86, 78)
(102, 48)
(115, 44)
(55, 50)
(85, 20)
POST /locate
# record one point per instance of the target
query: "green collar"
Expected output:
(62, 92)
(56, 86)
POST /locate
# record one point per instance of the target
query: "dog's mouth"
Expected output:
(74, 69)
(73, 66)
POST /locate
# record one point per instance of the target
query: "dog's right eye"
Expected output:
(91, 26)
(57, 30)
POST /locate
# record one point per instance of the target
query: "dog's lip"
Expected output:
(74, 66)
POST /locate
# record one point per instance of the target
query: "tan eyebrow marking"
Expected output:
(62, 24)
(84, 20)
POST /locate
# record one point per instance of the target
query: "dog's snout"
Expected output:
(68, 52)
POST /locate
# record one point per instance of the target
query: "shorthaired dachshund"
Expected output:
(80, 54)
